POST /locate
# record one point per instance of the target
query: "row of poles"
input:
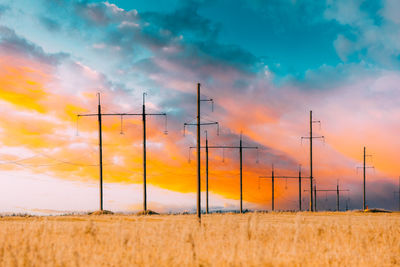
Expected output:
(241, 147)
(313, 189)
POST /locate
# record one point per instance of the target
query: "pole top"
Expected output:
(144, 97)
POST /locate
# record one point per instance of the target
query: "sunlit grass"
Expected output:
(257, 239)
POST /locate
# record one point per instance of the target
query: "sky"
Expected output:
(265, 64)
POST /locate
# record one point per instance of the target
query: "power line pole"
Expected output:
(364, 202)
(206, 173)
(337, 197)
(241, 172)
(100, 152)
(315, 197)
(99, 118)
(198, 125)
(198, 155)
(299, 187)
(273, 177)
(240, 147)
(398, 192)
(207, 170)
(364, 167)
(143, 115)
(311, 137)
(273, 189)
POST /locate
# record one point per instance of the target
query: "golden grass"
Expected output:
(278, 239)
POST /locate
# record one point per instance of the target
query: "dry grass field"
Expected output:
(257, 239)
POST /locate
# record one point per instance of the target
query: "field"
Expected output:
(254, 239)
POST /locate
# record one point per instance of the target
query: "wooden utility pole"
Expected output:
(198, 131)
(311, 137)
(364, 167)
(273, 177)
(99, 118)
(198, 155)
(337, 197)
(398, 192)
(311, 165)
(207, 211)
(100, 151)
(273, 189)
(315, 197)
(143, 115)
(299, 187)
(241, 172)
(364, 202)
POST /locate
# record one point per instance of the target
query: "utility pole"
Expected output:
(315, 197)
(364, 167)
(206, 173)
(143, 115)
(311, 137)
(299, 187)
(337, 197)
(398, 192)
(207, 170)
(144, 155)
(273, 177)
(198, 125)
(99, 118)
(198, 155)
(273, 189)
(241, 172)
(337, 190)
(240, 147)
(364, 202)
(100, 151)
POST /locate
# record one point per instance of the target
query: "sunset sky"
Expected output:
(266, 64)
